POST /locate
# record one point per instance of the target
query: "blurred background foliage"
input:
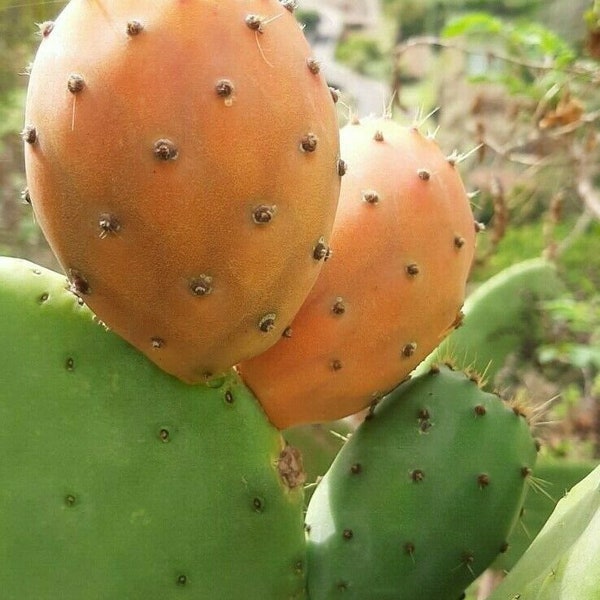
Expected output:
(19, 236)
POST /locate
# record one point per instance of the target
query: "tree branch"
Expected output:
(589, 195)
(430, 40)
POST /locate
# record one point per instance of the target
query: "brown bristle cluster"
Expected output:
(313, 65)
(224, 88)
(267, 323)
(134, 28)
(520, 409)
(321, 251)
(370, 197)
(45, 28)
(290, 5)
(409, 349)
(255, 22)
(75, 83)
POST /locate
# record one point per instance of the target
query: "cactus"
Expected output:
(423, 496)
(403, 242)
(118, 480)
(318, 444)
(501, 318)
(555, 477)
(564, 559)
(182, 160)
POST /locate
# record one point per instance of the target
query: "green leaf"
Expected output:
(538, 42)
(473, 24)
(583, 356)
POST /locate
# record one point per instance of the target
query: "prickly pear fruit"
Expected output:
(423, 495)
(501, 318)
(119, 481)
(402, 244)
(563, 561)
(182, 161)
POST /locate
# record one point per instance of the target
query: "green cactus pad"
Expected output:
(501, 318)
(422, 497)
(563, 562)
(119, 481)
(556, 477)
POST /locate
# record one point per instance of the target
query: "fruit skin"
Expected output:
(422, 497)
(118, 480)
(563, 561)
(402, 244)
(172, 167)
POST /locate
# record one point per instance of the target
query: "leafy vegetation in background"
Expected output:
(17, 38)
(416, 17)
(580, 268)
(19, 236)
(523, 43)
(310, 20)
(364, 54)
(577, 329)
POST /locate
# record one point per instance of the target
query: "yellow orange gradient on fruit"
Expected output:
(182, 161)
(402, 246)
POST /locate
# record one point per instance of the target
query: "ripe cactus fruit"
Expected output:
(423, 495)
(403, 242)
(119, 481)
(563, 561)
(182, 161)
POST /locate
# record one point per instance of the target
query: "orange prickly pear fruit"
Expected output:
(402, 246)
(183, 162)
